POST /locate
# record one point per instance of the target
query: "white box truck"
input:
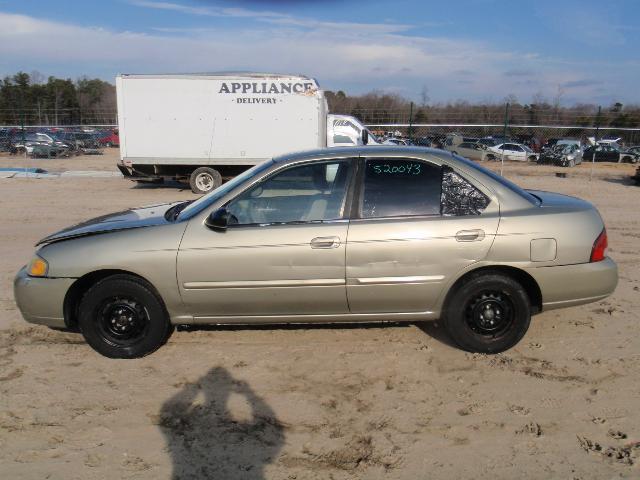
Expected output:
(203, 128)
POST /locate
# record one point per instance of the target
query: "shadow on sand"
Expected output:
(206, 442)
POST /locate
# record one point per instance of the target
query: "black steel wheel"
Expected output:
(122, 316)
(487, 312)
(122, 320)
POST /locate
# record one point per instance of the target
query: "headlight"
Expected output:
(38, 267)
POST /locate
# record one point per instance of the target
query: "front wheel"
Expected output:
(487, 313)
(204, 179)
(122, 317)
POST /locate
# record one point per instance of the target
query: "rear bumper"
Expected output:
(569, 285)
(41, 300)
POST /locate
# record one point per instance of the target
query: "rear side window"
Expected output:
(459, 197)
(400, 187)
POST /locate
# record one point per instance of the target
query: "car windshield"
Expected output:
(211, 197)
(500, 179)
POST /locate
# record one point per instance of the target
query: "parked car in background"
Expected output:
(423, 240)
(471, 150)
(80, 142)
(531, 141)
(561, 155)
(433, 141)
(454, 139)
(630, 155)
(38, 144)
(395, 141)
(602, 152)
(511, 151)
(109, 139)
(493, 140)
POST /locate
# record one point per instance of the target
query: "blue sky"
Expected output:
(579, 51)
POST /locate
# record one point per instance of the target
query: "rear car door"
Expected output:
(417, 224)
(283, 252)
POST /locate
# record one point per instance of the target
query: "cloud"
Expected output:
(353, 57)
(522, 72)
(275, 18)
(583, 82)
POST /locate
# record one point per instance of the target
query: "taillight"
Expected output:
(599, 250)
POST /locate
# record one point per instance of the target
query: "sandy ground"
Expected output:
(363, 402)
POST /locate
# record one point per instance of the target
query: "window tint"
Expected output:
(459, 197)
(399, 187)
(305, 193)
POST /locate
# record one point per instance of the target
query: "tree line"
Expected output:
(32, 99)
(387, 108)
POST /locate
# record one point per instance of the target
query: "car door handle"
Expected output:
(470, 235)
(325, 242)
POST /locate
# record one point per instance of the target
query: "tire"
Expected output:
(482, 294)
(532, 158)
(204, 180)
(123, 317)
(490, 158)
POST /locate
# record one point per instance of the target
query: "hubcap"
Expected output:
(204, 181)
(122, 320)
(490, 313)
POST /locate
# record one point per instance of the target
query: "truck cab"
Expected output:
(347, 131)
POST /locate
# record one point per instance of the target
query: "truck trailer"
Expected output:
(203, 128)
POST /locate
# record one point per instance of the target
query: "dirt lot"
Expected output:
(319, 402)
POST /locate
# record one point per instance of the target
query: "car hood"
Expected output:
(147, 216)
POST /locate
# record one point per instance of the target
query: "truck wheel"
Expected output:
(204, 179)
(488, 313)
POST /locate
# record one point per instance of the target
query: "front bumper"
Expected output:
(569, 285)
(41, 300)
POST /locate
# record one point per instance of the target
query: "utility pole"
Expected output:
(595, 141)
(504, 135)
(411, 122)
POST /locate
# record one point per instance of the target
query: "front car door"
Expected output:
(283, 253)
(418, 223)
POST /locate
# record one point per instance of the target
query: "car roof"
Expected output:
(364, 151)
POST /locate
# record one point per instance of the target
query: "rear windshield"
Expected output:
(501, 180)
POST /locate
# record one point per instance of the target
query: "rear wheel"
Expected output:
(487, 313)
(204, 179)
(122, 317)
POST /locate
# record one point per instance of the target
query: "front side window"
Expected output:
(342, 139)
(400, 187)
(305, 193)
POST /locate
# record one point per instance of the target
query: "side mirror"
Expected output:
(218, 220)
(365, 136)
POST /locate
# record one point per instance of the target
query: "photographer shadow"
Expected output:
(207, 442)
